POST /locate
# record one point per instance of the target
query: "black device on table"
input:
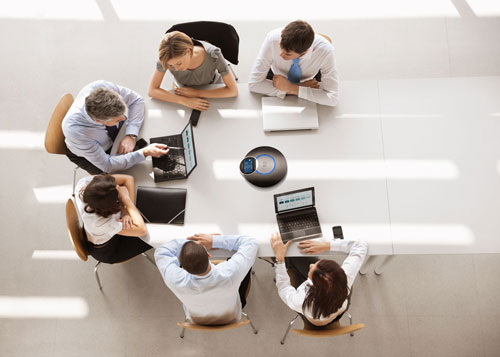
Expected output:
(195, 116)
(177, 164)
(337, 232)
(296, 215)
(140, 144)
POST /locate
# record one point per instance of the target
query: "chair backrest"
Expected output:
(326, 37)
(76, 230)
(334, 329)
(212, 327)
(54, 137)
(218, 34)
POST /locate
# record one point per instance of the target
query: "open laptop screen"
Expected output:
(188, 143)
(294, 200)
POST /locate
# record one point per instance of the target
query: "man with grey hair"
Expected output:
(92, 123)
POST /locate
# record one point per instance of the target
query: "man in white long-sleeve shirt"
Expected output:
(92, 123)
(211, 294)
(296, 61)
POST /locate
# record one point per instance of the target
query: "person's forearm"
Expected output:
(221, 92)
(135, 215)
(165, 95)
(129, 184)
(266, 87)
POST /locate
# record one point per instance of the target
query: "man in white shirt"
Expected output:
(211, 294)
(92, 123)
(296, 61)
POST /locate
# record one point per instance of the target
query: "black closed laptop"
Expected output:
(161, 205)
(296, 215)
(181, 159)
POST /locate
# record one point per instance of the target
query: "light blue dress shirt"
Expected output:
(86, 138)
(213, 298)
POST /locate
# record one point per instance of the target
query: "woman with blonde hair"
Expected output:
(192, 63)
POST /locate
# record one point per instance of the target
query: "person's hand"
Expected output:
(312, 83)
(283, 84)
(155, 150)
(203, 239)
(278, 247)
(196, 103)
(127, 221)
(123, 193)
(186, 92)
(313, 246)
(126, 145)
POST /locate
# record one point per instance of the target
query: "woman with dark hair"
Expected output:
(112, 224)
(321, 288)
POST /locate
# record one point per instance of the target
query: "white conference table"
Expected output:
(343, 160)
(411, 166)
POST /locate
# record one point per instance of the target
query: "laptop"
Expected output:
(296, 215)
(181, 159)
(291, 113)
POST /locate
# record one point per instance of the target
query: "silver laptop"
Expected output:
(291, 113)
(296, 215)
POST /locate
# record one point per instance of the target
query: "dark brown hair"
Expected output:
(297, 36)
(329, 289)
(194, 258)
(101, 196)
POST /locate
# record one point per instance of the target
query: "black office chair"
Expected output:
(218, 34)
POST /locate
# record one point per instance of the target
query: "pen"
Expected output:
(175, 148)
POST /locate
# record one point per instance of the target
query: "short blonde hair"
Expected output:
(173, 44)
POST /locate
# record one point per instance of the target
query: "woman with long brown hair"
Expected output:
(111, 221)
(321, 287)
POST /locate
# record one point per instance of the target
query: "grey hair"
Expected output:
(104, 104)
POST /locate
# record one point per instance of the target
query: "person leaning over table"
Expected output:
(296, 61)
(111, 221)
(211, 294)
(92, 123)
(192, 63)
(321, 287)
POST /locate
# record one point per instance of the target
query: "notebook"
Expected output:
(161, 205)
(291, 113)
(181, 159)
(296, 215)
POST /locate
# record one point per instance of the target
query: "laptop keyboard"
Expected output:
(172, 164)
(299, 222)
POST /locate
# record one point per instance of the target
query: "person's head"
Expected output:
(194, 258)
(328, 290)
(101, 196)
(176, 50)
(105, 106)
(296, 38)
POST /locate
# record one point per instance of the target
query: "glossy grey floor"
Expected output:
(431, 305)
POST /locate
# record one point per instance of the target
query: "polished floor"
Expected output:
(422, 305)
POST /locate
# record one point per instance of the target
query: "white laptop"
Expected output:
(291, 113)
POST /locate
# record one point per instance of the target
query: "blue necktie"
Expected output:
(294, 72)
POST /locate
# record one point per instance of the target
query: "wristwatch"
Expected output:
(132, 136)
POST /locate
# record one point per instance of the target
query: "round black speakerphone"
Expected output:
(264, 166)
